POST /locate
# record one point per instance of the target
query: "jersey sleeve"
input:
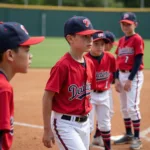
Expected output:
(116, 51)
(112, 68)
(113, 65)
(139, 46)
(5, 102)
(57, 78)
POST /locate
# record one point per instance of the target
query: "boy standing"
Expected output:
(110, 42)
(14, 58)
(129, 79)
(105, 66)
(66, 99)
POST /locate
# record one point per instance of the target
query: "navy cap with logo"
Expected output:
(100, 36)
(13, 34)
(128, 17)
(111, 37)
(78, 25)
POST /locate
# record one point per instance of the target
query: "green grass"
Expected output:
(46, 54)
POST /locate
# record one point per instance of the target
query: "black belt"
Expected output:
(77, 119)
(125, 71)
(98, 91)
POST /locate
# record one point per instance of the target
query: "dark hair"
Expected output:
(71, 35)
(2, 53)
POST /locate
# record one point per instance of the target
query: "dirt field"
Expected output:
(28, 91)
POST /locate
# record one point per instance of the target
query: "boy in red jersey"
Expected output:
(14, 58)
(97, 140)
(105, 66)
(129, 79)
(66, 100)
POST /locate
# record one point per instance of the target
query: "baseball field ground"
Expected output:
(29, 88)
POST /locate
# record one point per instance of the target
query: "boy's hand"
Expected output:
(117, 85)
(48, 138)
(127, 86)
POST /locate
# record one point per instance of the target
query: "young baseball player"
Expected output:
(97, 139)
(105, 66)
(14, 58)
(66, 98)
(130, 78)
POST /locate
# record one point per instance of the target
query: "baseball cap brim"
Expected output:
(33, 41)
(87, 32)
(127, 21)
(105, 39)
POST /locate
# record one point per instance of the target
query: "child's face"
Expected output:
(108, 46)
(98, 47)
(22, 59)
(81, 43)
(127, 28)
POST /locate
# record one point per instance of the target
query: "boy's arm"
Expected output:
(47, 108)
(136, 66)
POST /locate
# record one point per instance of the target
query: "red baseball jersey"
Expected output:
(127, 50)
(104, 70)
(6, 113)
(71, 83)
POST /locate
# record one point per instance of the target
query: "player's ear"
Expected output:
(69, 38)
(10, 54)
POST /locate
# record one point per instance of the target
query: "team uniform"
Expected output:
(6, 113)
(129, 79)
(71, 105)
(105, 67)
(109, 39)
(127, 49)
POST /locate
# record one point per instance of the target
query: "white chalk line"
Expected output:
(28, 125)
(143, 134)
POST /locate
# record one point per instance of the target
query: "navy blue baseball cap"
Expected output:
(128, 17)
(78, 25)
(13, 34)
(100, 36)
(111, 37)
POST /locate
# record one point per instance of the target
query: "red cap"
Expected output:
(127, 21)
(33, 41)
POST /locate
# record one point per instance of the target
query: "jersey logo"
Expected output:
(79, 92)
(103, 75)
(87, 22)
(125, 51)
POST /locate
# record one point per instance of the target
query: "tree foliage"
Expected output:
(86, 3)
